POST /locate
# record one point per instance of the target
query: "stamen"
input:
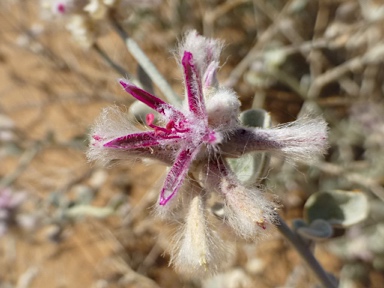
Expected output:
(97, 137)
(170, 125)
(149, 119)
(159, 131)
(262, 224)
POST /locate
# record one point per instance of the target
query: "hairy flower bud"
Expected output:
(299, 140)
(246, 210)
(198, 248)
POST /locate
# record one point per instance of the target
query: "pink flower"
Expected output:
(195, 140)
(9, 205)
(64, 7)
(187, 133)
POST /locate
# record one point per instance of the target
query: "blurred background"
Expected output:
(65, 222)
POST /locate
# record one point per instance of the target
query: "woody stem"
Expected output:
(306, 254)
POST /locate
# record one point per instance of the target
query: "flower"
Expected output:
(189, 132)
(63, 7)
(195, 140)
(9, 205)
(86, 18)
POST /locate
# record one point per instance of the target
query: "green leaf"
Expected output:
(318, 230)
(255, 118)
(298, 223)
(339, 208)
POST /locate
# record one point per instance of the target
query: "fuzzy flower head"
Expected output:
(195, 140)
(187, 133)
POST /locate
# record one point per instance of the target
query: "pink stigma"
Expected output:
(149, 119)
(96, 137)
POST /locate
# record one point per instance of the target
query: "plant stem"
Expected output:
(25, 159)
(109, 61)
(306, 254)
(146, 64)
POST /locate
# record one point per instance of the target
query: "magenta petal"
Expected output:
(135, 140)
(177, 174)
(150, 100)
(143, 96)
(210, 79)
(193, 86)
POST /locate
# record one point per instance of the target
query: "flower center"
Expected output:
(170, 128)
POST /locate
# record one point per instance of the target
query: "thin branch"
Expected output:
(357, 63)
(109, 61)
(211, 16)
(306, 254)
(24, 162)
(268, 34)
(355, 178)
(146, 64)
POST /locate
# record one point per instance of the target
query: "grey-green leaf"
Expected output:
(339, 208)
(298, 223)
(318, 230)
